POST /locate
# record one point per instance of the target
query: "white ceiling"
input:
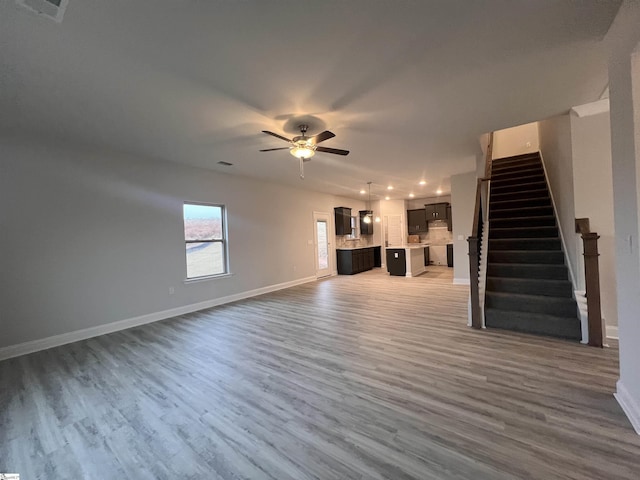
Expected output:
(407, 86)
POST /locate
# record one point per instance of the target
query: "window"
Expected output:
(205, 239)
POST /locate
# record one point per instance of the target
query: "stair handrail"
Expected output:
(475, 238)
(592, 282)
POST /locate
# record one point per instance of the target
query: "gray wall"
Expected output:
(555, 145)
(90, 237)
(624, 82)
(593, 197)
(463, 198)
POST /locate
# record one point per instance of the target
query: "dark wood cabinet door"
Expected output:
(436, 211)
(417, 221)
(449, 219)
(343, 220)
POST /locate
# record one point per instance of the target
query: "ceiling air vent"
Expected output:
(53, 9)
(226, 164)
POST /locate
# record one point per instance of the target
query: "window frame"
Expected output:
(224, 241)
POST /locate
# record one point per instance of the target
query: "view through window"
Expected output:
(204, 234)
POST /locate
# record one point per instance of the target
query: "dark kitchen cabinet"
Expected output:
(449, 255)
(426, 256)
(377, 257)
(396, 261)
(436, 211)
(417, 221)
(449, 219)
(366, 228)
(343, 220)
(357, 260)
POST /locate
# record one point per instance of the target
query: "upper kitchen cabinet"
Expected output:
(366, 228)
(417, 221)
(436, 211)
(449, 219)
(343, 220)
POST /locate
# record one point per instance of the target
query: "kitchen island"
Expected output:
(409, 260)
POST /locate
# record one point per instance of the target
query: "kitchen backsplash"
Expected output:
(437, 234)
(364, 241)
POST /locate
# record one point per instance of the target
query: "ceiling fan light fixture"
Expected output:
(302, 151)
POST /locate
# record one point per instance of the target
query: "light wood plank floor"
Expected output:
(361, 377)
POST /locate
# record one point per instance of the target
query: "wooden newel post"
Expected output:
(592, 286)
(476, 320)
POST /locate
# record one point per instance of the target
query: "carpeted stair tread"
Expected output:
(500, 167)
(539, 324)
(500, 182)
(520, 302)
(515, 158)
(521, 212)
(526, 257)
(513, 222)
(517, 173)
(541, 192)
(525, 243)
(520, 203)
(548, 271)
(524, 232)
(530, 286)
(517, 187)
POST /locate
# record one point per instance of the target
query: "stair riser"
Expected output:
(527, 157)
(525, 244)
(517, 180)
(517, 173)
(509, 213)
(568, 328)
(518, 168)
(530, 287)
(543, 258)
(523, 222)
(517, 187)
(523, 203)
(541, 272)
(539, 232)
(546, 305)
(502, 197)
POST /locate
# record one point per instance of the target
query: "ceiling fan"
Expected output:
(303, 147)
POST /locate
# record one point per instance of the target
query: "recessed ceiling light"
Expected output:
(422, 182)
(389, 187)
(411, 195)
(439, 192)
(387, 198)
(362, 192)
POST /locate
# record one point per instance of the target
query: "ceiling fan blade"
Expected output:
(276, 135)
(336, 151)
(272, 149)
(322, 136)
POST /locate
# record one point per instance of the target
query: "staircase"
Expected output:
(528, 287)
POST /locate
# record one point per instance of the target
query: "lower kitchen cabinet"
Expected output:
(426, 256)
(357, 260)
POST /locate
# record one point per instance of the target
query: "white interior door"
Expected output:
(322, 244)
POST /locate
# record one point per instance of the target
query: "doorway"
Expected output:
(322, 244)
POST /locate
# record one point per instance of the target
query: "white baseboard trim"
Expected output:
(612, 331)
(461, 281)
(64, 338)
(630, 406)
(581, 301)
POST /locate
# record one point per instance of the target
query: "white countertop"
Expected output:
(410, 246)
(357, 248)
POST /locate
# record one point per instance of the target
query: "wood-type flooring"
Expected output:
(350, 377)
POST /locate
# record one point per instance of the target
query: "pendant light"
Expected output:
(369, 216)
